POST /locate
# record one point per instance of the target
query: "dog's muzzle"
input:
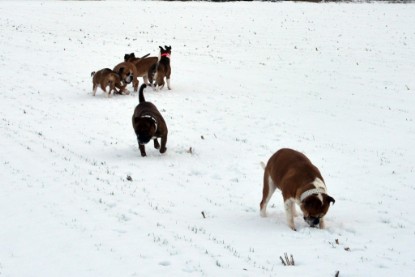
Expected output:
(142, 140)
(312, 221)
(128, 79)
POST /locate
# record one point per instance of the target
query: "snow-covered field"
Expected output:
(335, 81)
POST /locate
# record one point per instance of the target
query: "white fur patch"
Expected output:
(290, 212)
(319, 188)
(319, 184)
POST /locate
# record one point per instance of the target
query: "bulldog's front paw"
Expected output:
(163, 150)
(156, 144)
(142, 151)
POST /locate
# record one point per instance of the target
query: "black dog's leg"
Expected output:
(163, 144)
(142, 150)
(156, 144)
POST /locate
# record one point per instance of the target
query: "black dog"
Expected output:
(149, 124)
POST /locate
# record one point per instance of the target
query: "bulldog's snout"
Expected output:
(128, 79)
(312, 221)
(143, 139)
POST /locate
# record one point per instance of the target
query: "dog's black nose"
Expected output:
(316, 221)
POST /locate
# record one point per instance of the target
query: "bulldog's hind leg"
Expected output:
(163, 144)
(267, 191)
(94, 89)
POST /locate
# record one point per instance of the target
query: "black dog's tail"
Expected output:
(140, 94)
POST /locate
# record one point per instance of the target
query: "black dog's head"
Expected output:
(145, 128)
(166, 51)
(129, 57)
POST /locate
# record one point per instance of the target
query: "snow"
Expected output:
(335, 81)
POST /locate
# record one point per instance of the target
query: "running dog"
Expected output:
(149, 124)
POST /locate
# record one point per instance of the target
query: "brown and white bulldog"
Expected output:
(300, 183)
(106, 78)
(149, 124)
(128, 73)
(145, 66)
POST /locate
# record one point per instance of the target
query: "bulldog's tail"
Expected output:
(140, 94)
(92, 73)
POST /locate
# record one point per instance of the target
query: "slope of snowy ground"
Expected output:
(335, 81)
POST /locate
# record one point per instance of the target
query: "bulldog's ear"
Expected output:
(329, 198)
(121, 70)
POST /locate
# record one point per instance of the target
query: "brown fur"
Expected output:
(145, 66)
(149, 124)
(128, 73)
(106, 78)
(293, 173)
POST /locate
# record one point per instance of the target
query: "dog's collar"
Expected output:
(167, 55)
(307, 193)
(152, 118)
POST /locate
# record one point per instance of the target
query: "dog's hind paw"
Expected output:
(156, 144)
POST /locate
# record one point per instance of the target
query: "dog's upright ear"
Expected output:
(128, 57)
(329, 199)
(168, 48)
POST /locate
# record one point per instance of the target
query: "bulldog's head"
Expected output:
(125, 75)
(145, 128)
(314, 207)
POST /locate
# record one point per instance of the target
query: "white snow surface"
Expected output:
(334, 81)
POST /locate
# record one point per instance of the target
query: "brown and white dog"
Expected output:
(149, 124)
(145, 66)
(106, 78)
(163, 69)
(128, 73)
(300, 183)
